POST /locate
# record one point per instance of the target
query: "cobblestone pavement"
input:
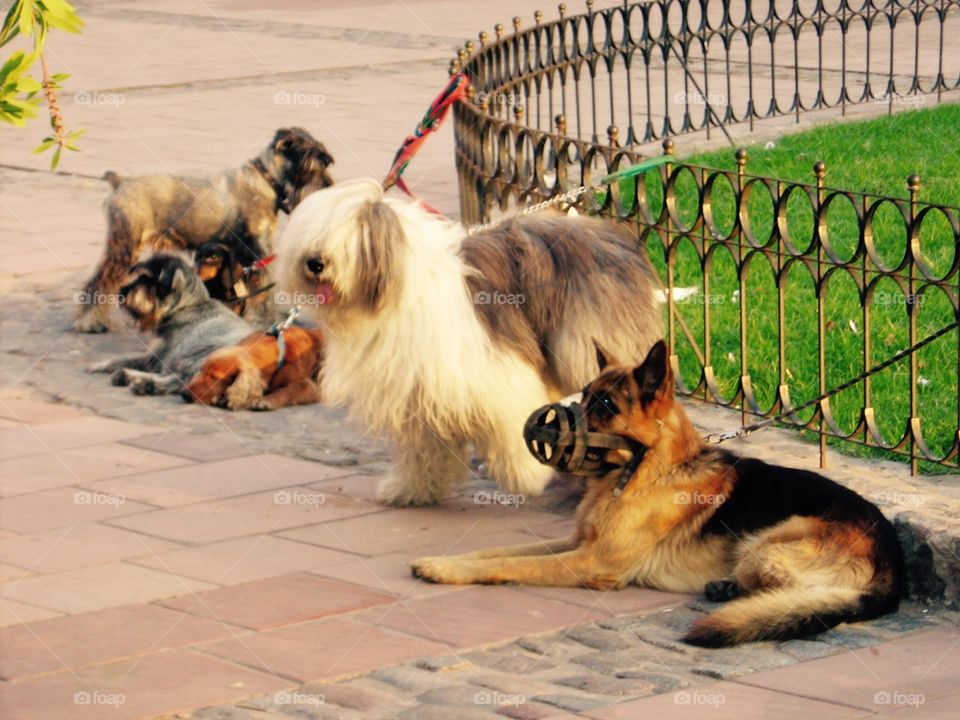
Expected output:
(620, 667)
(165, 560)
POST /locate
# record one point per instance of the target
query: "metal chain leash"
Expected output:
(570, 197)
(743, 431)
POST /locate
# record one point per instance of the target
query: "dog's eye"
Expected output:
(315, 266)
(606, 407)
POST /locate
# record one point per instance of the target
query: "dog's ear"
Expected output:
(604, 358)
(167, 279)
(323, 155)
(381, 235)
(282, 140)
(653, 376)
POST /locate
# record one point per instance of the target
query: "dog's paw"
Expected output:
(90, 323)
(143, 386)
(104, 366)
(261, 405)
(721, 590)
(119, 377)
(435, 570)
(394, 490)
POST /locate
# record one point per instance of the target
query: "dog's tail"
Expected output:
(112, 179)
(780, 614)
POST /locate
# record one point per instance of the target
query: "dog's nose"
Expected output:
(314, 266)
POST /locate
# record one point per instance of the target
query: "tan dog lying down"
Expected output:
(250, 376)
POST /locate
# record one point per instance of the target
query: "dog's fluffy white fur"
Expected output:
(417, 354)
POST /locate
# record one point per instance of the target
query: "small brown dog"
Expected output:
(251, 375)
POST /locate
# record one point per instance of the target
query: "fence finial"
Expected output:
(454, 67)
(498, 29)
(668, 146)
(562, 7)
(537, 16)
(741, 156)
(913, 184)
(561, 123)
(516, 24)
(820, 169)
(613, 133)
(483, 38)
(518, 112)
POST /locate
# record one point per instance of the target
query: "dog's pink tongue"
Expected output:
(324, 293)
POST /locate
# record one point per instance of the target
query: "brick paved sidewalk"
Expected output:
(145, 573)
(164, 560)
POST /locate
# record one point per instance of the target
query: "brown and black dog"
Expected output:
(237, 278)
(249, 376)
(795, 553)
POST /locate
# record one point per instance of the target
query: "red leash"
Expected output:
(263, 262)
(435, 115)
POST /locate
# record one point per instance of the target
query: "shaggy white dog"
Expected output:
(441, 340)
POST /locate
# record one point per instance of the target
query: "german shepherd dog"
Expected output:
(793, 552)
(251, 375)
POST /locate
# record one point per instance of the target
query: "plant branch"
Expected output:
(56, 117)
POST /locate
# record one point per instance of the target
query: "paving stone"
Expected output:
(226, 713)
(527, 711)
(572, 703)
(495, 614)
(512, 659)
(922, 663)
(604, 685)
(553, 646)
(911, 617)
(661, 682)
(666, 639)
(458, 695)
(277, 601)
(678, 619)
(850, 636)
(804, 650)
(101, 636)
(441, 712)
(351, 697)
(444, 663)
(410, 679)
(725, 700)
(598, 638)
(323, 649)
(149, 685)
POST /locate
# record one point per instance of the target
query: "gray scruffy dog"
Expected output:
(167, 297)
(237, 208)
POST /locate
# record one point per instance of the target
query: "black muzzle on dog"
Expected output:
(557, 436)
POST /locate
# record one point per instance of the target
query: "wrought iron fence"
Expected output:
(774, 264)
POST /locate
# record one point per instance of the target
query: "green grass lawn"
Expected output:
(874, 157)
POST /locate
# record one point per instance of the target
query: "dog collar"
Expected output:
(276, 330)
(638, 452)
(281, 202)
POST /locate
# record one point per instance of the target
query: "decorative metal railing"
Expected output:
(775, 264)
